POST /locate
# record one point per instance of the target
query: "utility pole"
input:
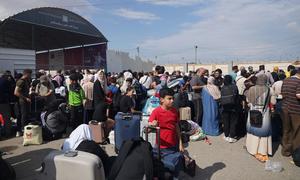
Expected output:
(196, 54)
(138, 51)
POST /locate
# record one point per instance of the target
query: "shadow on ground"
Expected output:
(207, 173)
(26, 164)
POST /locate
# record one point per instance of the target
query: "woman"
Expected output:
(99, 91)
(87, 87)
(45, 89)
(229, 101)
(81, 140)
(210, 95)
(81, 133)
(259, 139)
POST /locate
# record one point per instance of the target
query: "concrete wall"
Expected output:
(118, 61)
(16, 59)
(226, 68)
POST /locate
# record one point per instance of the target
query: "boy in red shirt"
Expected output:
(166, 117)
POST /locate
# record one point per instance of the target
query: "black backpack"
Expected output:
(181, 99)
(140, 90)
(133, 162)
(228, 95)
(7, 172)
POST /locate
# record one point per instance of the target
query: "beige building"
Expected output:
(226, 68)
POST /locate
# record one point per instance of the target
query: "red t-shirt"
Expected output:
(167, 121)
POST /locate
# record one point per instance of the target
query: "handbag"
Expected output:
(189, 165)
(256, 116)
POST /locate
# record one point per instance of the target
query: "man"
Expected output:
(234, 71)
(22, 92)
(290, 112)
(218, 78)
(197, 83)
(250, 69)
(240, 82)
(262, 71)
(290, 68)
(159, 71)
(275, 73)
(146, 81)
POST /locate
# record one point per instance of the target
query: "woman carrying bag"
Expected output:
(259, 129)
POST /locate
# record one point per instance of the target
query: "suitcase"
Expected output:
(151, 136)
(97, 129)
(185, 113)
(32, 135)
(127, 127)
(72, 165)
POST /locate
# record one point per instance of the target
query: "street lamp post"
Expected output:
(196, 54)
(138, 51)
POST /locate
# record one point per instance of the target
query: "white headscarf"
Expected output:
(213, 89)
(103, 81)
(127, 75)
(81, 133)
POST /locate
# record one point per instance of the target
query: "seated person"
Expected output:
(166, 117)
(81, 140)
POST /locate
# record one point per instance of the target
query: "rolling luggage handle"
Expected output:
(129, 115)
(157, 129)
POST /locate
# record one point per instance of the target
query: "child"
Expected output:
(166, 117)
(76, 97)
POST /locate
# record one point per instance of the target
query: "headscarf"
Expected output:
(262, 79)
(127, 75)
(86, 78)
(81, 133)
(258, 90)
(102, 81)
(213, 90)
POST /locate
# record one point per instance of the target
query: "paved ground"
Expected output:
(219, 161)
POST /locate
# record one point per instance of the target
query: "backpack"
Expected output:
(133, 162)
(228, 95)
(7, 172)
(140, 90)
(181, 99)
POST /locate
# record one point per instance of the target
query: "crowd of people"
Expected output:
(260, 104)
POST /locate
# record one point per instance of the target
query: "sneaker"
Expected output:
(226, 138)
(232, 140)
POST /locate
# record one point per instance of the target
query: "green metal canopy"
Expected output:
(47, 28)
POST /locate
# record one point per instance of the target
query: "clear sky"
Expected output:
(167, 31)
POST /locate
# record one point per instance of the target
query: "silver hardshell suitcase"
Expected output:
(72, 165)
